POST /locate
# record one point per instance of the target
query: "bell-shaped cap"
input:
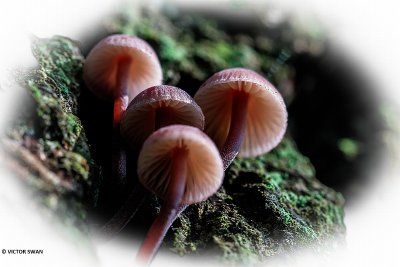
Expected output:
(266, 117)
(102, 63)
(204, 164)
(156, 107)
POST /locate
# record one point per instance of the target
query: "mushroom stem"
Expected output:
(121, 101)
(162, 117)
(120, 105)
(170, 209)
(237, 128)
(138, 195)
(125, 213)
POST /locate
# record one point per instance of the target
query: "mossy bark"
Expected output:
(46, 144)
(267, 205)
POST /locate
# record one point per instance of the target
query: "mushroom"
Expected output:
(152, 109)
(156, 107)
(119, 67)
(181, 165)
(244, 113)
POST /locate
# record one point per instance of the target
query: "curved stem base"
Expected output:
(170, 209)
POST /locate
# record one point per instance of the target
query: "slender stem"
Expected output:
(170, 209)
(120, 104)
(136, 198)
(125, 213)
(237, 128)
(118, 160)
(162, 117)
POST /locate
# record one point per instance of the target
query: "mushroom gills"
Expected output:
(117, 68)
(154, 108)
(246, 126)
(171, 207)
(182, 166)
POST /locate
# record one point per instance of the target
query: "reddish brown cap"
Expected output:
(173, 105)
(266, 117)
(101, 66)
(204, 164)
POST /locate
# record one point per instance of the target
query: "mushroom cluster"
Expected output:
(243, 115)
(118, 68)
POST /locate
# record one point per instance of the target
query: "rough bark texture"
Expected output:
(46, 144)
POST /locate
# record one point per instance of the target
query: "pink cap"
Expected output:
(204, 164)
(177, 107)
(266, 118)
(100, 69)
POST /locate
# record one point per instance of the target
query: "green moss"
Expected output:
(60, 62)
(263, 210)
(57, 137)
(73, 165)
(349, 147)
(267, 206)
(171, 50)
(204, 49)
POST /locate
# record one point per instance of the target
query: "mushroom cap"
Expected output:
(204, 164)
(177, 106)
(101, 66)
(266, 118)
